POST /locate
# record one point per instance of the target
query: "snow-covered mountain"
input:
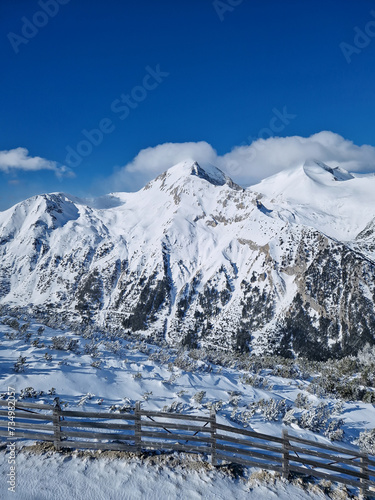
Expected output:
(285, 266)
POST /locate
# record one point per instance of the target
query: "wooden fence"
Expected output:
(144, 430)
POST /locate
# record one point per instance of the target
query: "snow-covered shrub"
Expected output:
(253, 380)
(114, 347)
(214, 405)
(47, 357)
(85, 398)
(174, 407)
(315, 419)
(198, 397)
(302, 401)
(333, 430)
(369, 397)
(234, 397)
(24, 328)
(20, 364)
(346, 388)
(242, 417)
(96, 364)
(273, 409)
(366, 356)
(126, 407)
(64, 361)
(290, 418)
(62, 343)
(185, 363)
(323, 386)
(13, 323)
(59, 343)
(366, 441)
(182, 393)
(30, 392)
(91, 349)
(137, 375)
(146, 395)
(172, 379)
(338, 408)
(161, 357)
(285, 370)
(141, 347)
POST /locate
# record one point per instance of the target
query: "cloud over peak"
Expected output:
(250, 163)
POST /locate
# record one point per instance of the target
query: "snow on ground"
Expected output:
(60, 477)
(131, 371)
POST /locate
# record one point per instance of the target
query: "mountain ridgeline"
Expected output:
(285, 267)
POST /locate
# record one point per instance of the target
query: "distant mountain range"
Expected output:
(286, 266)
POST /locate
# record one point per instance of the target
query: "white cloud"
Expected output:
(266, 157)
(156, 160)
(249, 164)
(19, 159)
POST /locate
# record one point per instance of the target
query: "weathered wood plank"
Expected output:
(27, 425)
(285, 454)
(322, 465)
(325, 456)
(177, 416)
(29, 435)
(138, 427)
(98, 415)
(96, 425)
(172, 425)
(30, 416)
(56, 425)
(246, 442)
(245, 432)
(324, 475)
(97, 435)
(249, 453)
(213, 437)
(365, 472)
(176, 437)
(324, 446)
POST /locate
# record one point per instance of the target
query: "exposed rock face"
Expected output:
(197, 260)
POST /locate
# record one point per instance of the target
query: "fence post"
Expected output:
(213, 436)
(365, 471)
(138, 428)
(285, 454)
(56, 424)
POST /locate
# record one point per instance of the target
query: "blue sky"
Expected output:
(221, 75)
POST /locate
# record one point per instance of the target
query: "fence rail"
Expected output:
(143, 430)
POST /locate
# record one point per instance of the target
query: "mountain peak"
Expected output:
(314, 167)
(184, 170)
(207, 172)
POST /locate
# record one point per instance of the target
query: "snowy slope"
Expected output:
(196, 259)
(119, 479)
(82, 386)
(333, 201)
